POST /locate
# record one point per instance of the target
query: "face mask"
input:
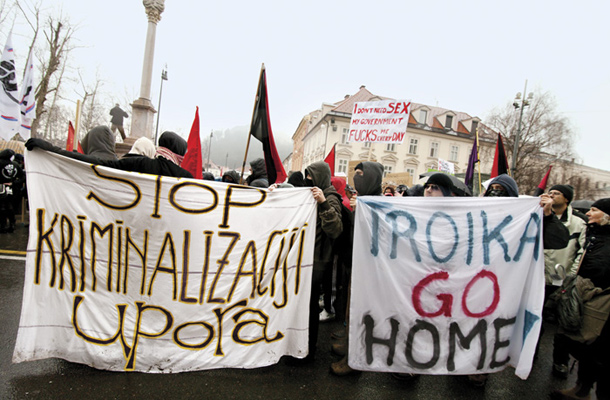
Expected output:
(308, 182)
(497, 193)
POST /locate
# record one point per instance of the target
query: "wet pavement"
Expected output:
(54, 378)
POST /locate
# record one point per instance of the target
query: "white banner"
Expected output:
(137, 272)
(446, 166)
(457, 291)
(379, 121)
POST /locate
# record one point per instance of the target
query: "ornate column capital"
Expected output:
(154, 8)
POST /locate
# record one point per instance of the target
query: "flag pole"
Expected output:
(243, 166)
(478, 158)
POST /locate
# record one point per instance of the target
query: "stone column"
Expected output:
(143, 111)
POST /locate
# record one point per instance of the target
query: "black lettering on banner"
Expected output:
(174, 190)
(241, 324)
(142, 254)
(370, 340)
(297, 280)
(67, 238)
(136, 189)
(480, 329)
(119, 250)
(500, 323)
(221, 264)
(81, 252)
(199, 346)
(423, 326)
(155, 213)
(169, 321)
(284, 275)
(102, 232)
(167, 242)
(219, 315)
(262, 270)
(44, 237)
(250, 249)
(278, 259)
(229, 203)
(185, 270)
(206, 264)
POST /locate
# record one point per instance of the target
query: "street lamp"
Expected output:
(210, 149)
(163, 78)
(519, 104)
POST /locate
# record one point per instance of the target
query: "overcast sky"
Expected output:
(469, 56)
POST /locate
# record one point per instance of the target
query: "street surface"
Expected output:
(58, 379)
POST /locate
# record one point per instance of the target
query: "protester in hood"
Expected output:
(502, 186)
(207, 176)
(258, 176)
(328, 228)
(296, 179)
(157, 166)
(99, 143)
(142, 147)
(367, 180)
(231, 177)
(439, 185)
(171, 147)
(594, 358)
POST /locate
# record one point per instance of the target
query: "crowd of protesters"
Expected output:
(577, 243)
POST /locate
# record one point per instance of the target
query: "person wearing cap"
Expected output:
(594, 358)
(568, 257)
(439, 185)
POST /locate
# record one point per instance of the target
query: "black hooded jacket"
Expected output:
(329, 225)
(99, 143)
(174, 142)
(232, 175)
(369, 183)
(154, 166)
(258, 177)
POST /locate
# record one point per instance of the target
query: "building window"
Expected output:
(342, 165)
(453, 155)
(434, 149)
(391, 147)
(344, 136)
(423, 116)
(387, 169)
(449, 121)
(475, 125)
(413, 146)
(411, 172)
(367, 145)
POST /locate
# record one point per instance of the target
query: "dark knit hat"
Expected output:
(566, 190)
(602, 204)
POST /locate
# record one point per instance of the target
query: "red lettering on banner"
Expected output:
(496, 299)
(445, 298)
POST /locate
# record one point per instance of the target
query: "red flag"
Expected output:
(542, 186)
(330, 160)
(192, 159)
(70, 140)
(261, 129)
(80, 149)
(500, 161)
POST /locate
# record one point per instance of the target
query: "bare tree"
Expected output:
(545, 138)
(58, 34)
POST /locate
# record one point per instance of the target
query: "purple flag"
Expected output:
(474, 158)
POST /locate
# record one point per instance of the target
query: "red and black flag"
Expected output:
(330, 160)
(500, 161)
(542, 186)
(261, 129)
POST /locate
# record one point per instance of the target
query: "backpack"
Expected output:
(568, 304)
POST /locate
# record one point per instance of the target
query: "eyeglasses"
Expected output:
(555, 193)
(432, 187)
